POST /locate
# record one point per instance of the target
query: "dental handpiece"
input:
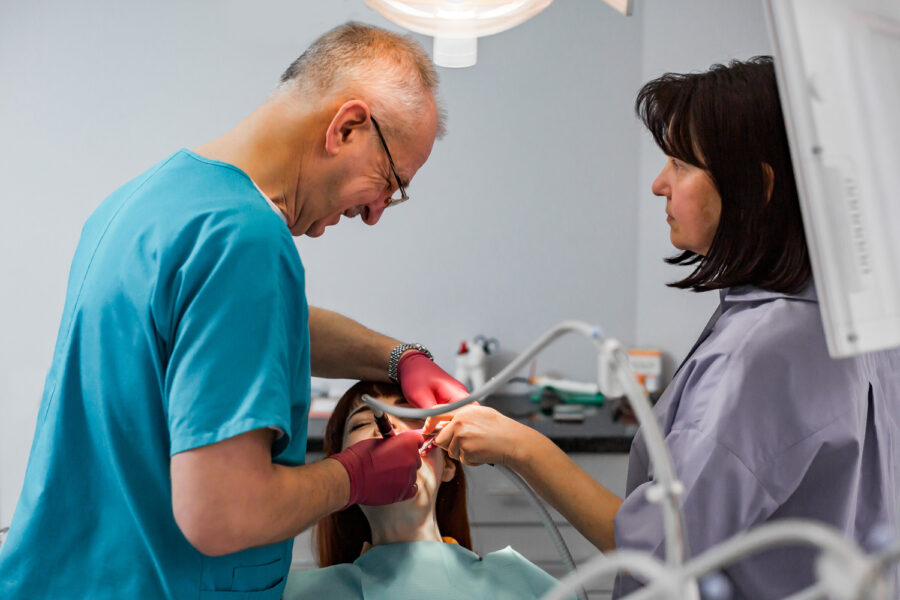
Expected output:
(383, 423)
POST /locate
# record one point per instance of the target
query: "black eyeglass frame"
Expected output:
(403, 197)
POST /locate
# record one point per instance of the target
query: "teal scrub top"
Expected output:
(185, 323)
(423, 571)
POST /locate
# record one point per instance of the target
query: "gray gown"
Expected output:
(763, 425)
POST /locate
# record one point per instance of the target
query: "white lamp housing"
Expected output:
(456, 25)
(455, 52)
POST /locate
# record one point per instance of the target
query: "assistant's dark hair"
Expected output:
(728, 121)
(338, 537)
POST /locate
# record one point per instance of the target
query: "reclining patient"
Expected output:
(418, 548)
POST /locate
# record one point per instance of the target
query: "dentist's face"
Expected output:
(693, 205)
(366, 181)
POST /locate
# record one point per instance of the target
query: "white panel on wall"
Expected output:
(840, 89)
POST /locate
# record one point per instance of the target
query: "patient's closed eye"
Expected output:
(360, 423)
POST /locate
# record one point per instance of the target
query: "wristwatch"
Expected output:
(397, 352)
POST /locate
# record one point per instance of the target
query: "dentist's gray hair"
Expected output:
(392, 73)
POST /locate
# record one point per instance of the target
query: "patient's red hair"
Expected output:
(338, 538)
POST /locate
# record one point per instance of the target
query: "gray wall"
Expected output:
(535, 208)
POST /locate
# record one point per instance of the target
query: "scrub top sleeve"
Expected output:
(721, 497)
(230, 365)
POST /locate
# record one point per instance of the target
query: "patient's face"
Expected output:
(436, 467)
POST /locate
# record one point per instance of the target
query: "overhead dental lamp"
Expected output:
(456, 25)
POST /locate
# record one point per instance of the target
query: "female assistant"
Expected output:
(762, 424)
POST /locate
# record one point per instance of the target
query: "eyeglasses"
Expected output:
(403, 197)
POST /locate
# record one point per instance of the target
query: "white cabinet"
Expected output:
(501, 516)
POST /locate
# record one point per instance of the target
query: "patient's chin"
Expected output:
(426, 484)
(423, 501)
(426, 488)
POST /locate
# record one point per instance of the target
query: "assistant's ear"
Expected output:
(768, 179)
(351, 118)
(449, 469)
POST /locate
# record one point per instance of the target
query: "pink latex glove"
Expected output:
(382, 471)
(425, 384)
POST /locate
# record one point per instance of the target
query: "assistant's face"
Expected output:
(436, 467)
(693, 205)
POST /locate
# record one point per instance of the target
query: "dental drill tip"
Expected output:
(383, 424)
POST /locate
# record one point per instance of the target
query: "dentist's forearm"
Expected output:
(343, 348)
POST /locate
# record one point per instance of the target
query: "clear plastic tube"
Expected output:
(667, 487)
(501, 378)
(764, 537)
(638, 563)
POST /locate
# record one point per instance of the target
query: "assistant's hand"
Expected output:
(478, 435)
(382, 471)
(425, 384)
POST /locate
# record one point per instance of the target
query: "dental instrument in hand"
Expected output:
(426, 446)
(383, 423)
